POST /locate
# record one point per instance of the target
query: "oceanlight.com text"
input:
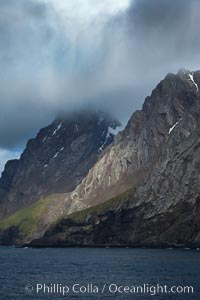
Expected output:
(111, 288)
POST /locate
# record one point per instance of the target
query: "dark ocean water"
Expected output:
(20, 268)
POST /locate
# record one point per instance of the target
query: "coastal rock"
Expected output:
(142, 190)
(163, 212)
(169, 115)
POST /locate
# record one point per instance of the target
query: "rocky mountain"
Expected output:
(164, 211)
(150, 172)
(56, 160)
(173, 103)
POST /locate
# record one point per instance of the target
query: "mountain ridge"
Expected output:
(136, 159)
(137, 147)
(56, 160)
(138, 221)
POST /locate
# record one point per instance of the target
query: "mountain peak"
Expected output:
(58, 158)
(67, 157)
(183, 72)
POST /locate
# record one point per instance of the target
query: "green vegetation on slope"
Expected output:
(80, 216)
(27, 219)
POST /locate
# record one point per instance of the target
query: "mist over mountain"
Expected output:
(50, 61)
(84, 182)
(56, 160)
(80, 148)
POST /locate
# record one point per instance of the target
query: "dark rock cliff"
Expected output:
(157, 156)
(165, 208)
(172, 107)
(163, 212)
(56, 160)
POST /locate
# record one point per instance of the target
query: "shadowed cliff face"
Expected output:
(157, 155)
(173, 106)
(56, 160)
(162, 138)
(164, 211)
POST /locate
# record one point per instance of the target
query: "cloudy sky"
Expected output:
(60, 55)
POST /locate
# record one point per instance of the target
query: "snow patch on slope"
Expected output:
(172, 128)
(111, 131)
(57, 129)
(191, 75)
(58, 152)
(114, 131)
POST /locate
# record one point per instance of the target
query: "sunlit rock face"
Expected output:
(56, 160)
(168, 116)
(163, 212)
(164, 209)
(156, 156)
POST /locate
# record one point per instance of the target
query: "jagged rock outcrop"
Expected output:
(157, 157)
(163, 212)
(135, 150)
(56, 160)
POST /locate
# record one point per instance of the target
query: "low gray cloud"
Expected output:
(25, 37)
(151, 39)
(50, 62)
(166, 31)
(60, 59)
